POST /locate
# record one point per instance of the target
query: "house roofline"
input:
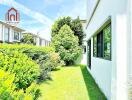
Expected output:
(13, 26)
(91, 16)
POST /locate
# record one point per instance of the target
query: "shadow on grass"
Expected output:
(48, 79)
(92, 88)
(56, 69)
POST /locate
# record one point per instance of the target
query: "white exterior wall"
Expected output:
(37, 41)
(1, 32)
(43, 42)
(3, 28)
(101, 71)
(11, 35)
(111, 76)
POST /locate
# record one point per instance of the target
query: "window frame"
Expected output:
(95, 36)
(7, 32)
(109, 25)
(18, 33)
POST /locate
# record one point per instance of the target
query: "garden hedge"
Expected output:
(45, 57)
(22, 65)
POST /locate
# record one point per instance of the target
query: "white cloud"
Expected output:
(37, 16)
(52, 2)
(78, 9)
(73, 10)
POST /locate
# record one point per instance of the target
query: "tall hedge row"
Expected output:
(28, 64)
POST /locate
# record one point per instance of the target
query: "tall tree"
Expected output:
(66, 44)
(75, 25)
(77, 28)
(28, 39)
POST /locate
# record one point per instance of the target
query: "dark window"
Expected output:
(84, 49)
(102, 43)
(16, 35)
(95, 46)
(6, 34)
(89, 54)
(40, 42)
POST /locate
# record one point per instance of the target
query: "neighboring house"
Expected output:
(9, 33)
(109, 45)
(42, 42)
(38, 40)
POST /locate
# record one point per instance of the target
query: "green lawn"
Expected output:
(70, 83)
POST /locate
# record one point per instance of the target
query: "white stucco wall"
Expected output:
(0, 32)
(111, 76)
(37, 41)
(11, 35)
(101, 71)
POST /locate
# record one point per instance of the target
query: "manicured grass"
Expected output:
(70, 83)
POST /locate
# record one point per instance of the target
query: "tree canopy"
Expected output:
(28, 39)
(75, 25)
(66, 44)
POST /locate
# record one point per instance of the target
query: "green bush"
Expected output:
(6, 85)
(55, 60)
(49, 62)
(8, 92)
(66, 44)
(26, 71)
(31, 93)
(44, 56)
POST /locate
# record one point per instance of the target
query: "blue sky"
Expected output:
(39, 15)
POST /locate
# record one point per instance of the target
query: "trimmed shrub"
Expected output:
(55, 60)
(6, 85)
(8, 92)
(44, 56)
(31, 93)
(47, 63)
(26, 71)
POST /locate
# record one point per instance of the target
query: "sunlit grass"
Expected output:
(70, 83)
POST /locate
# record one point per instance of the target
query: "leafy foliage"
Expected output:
(28, 39)
(6, 85)
(43, 56)
(8, 92)
(75, 25)
(77, 28)
(25, 70)
(66, 44)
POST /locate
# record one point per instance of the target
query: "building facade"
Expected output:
(109, 45)
(9, 33)
(42, 42)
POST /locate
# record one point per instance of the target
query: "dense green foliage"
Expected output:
(25, 70)
(41, 55)
(22, 66)
(77, 28)
(28, 39)
(66, 44)
(75, 25)
(59, 23)
(8, 88)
